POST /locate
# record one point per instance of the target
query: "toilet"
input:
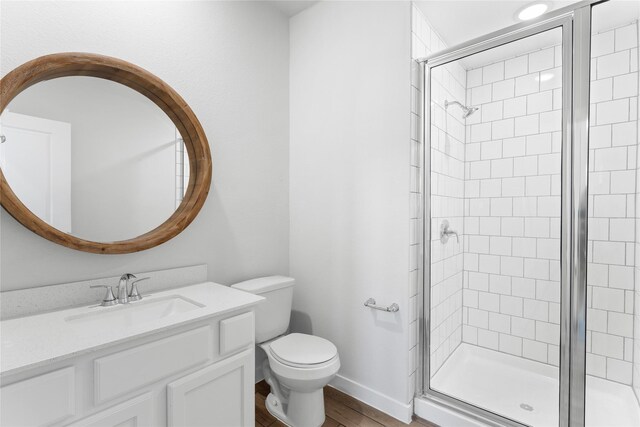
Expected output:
(298, 366)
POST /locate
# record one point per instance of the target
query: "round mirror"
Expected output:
(105, 158)
(93, 158)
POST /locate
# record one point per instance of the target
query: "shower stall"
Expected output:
(530, 299)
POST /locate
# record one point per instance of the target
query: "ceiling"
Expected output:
(291, 8)
(460, 21)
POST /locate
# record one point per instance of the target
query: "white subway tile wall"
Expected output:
(633, 345)
(612, 204)
(447, 193)
(512, 191)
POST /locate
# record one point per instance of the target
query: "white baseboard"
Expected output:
(442, 416)
(398, 410)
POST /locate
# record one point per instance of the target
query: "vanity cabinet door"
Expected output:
(41, 400)
(136, 412)
(221, 395)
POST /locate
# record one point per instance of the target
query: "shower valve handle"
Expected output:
(446, 232)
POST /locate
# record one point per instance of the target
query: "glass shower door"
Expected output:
(494, 201)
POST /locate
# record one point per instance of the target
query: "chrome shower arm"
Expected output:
(466, 110)
(448, 103)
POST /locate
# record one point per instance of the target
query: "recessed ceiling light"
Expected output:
(532, 10)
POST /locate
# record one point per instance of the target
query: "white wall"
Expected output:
(349, 195)
(229, 61)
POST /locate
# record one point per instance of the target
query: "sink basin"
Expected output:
(135, 313)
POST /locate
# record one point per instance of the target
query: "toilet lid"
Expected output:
(302, 349)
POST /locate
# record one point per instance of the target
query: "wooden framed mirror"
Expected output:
(101, 189)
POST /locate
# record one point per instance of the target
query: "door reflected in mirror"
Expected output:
(93, 158)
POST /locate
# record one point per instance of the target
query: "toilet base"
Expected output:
(303, 409)
(274, 406)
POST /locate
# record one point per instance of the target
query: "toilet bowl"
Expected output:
(297, 366)
(300, 374)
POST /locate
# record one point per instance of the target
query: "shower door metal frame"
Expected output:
(575, 22)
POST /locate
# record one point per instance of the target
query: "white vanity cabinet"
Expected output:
(196, 373)
(219, 395)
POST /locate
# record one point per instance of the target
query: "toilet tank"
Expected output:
(273, 314)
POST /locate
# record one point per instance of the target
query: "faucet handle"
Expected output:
(134, 295)
(446, 232)
(109, 299)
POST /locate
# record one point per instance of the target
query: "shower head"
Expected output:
(466, 111)
(469, 111)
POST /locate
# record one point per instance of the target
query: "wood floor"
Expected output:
(341, 409)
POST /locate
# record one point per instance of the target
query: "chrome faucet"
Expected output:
(123, 288)
(125, 292)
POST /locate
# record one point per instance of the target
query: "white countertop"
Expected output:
(28, 342)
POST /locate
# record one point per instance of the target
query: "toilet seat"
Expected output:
(302, 350)
(289, 351)
(308, 373)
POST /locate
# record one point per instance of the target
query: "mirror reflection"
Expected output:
(93, 158)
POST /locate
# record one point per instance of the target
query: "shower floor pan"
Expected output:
(527, 391)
